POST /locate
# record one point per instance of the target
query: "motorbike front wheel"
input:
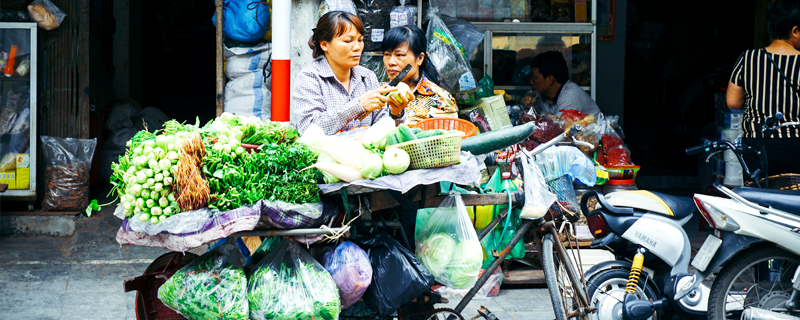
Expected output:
(758, 278)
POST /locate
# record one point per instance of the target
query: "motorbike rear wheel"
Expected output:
(758, 278)
(607, 290)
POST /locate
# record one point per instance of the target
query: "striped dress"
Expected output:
(766, 91)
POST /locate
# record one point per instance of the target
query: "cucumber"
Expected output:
(428, 134)
(497, 139)
(391, 139)
(406, 133)
(416, 130)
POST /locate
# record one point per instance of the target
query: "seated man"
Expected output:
(551, 80)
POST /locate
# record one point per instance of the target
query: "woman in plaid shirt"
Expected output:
(333, 92)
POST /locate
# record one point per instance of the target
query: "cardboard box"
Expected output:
(9, 178)
(580, 11)
(23, 179)
(23, 160)
(495, 111)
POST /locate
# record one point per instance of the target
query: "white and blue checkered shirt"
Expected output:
(318, 97)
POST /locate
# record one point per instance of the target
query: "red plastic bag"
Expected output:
(618, 156)
(546, 129)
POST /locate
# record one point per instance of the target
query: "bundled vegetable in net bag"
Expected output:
(289, 284)
(213, 286)
(448, 56)
(448, 245)
(349, 266)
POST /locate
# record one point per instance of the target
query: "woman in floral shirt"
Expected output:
(407, 45)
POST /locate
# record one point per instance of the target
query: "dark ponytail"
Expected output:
(417, 44)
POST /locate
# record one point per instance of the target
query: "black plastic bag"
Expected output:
(397, 276)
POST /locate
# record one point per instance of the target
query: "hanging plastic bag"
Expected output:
(448, 245)
(351, 271)
(485, 88)
(448, 56)
(46, 14)
(403, 15)
(467, 34)
(374, 14)
(538, 197)
(289, 284)
(489, 289)
(67, 173)
(244, 20)
(336, 5)
(397, 276)
(213, 286)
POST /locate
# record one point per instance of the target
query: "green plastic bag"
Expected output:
(505, 231)
(485, 88)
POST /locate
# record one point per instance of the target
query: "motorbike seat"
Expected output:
(784, 200)
(674, 207)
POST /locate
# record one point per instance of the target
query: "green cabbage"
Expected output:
(464, 269)
(371, 166)
(435, 253)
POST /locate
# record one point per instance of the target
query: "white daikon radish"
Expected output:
(341, 157)
(351, 147)
(343, 172)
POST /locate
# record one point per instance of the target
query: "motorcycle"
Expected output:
(650, 276)
(756, 242)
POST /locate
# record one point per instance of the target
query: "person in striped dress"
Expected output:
(764, 82)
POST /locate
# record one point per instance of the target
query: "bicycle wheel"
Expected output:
(563, 292)
(760, 278)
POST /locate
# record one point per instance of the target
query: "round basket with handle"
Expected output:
(464, 126)
(784, 181)
(432, 152)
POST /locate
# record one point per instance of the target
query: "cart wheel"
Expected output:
(157, 265)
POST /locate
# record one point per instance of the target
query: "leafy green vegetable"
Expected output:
(289, 285)
(207, 290)
(273, 174)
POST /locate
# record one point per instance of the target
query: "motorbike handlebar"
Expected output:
(696, 149)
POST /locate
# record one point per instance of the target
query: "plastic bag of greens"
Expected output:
(448, 245)
(213, 286)
(448, 56)
(349, 266)
(397, 276)
(289, 284)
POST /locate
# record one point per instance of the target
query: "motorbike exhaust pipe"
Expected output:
(761, 314)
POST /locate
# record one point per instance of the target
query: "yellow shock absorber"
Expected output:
(636, 271)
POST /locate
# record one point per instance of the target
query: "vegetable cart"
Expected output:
(238, 188)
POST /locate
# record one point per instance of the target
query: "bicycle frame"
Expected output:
(539, 227)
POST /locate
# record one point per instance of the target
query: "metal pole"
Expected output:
(482, 280)
(281, 60)
(220, 85)
(292, 232)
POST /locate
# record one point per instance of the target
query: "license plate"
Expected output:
(706, 252)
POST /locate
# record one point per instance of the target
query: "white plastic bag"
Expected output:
(448, 245)
(247, 92)
(538, 197)
(403, 15)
